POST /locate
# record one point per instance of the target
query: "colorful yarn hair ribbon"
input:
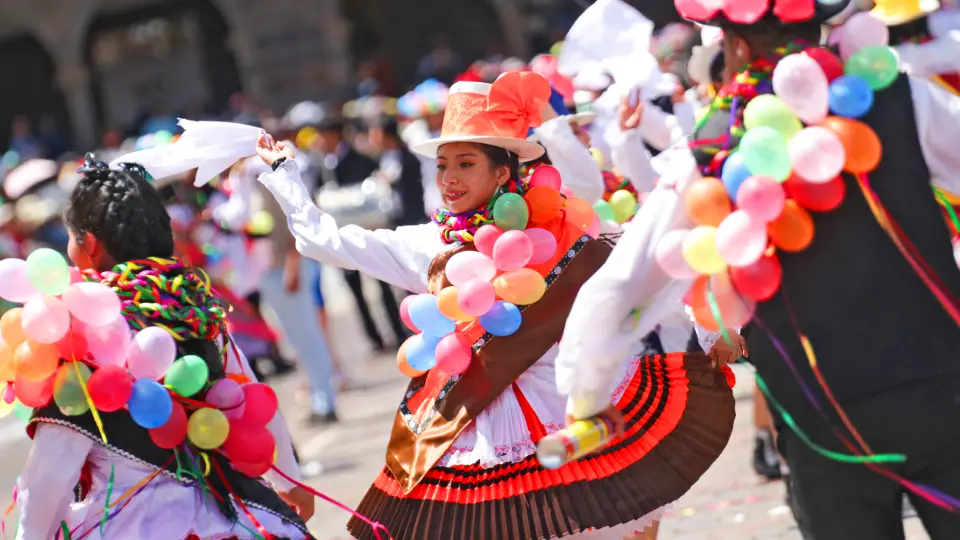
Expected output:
(375, 525)
(908, 250)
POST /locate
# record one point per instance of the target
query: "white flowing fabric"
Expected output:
(209, 147)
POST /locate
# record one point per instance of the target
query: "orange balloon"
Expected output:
(545, 204)
(860, 142)
(8, 370)
(580, 213)
(447, 302)
(793, 230)
(707, 202)
(11, 327)
(405, 368)
(36, 361)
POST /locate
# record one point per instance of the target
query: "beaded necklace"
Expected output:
(460, 227)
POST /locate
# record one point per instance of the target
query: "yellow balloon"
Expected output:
(521, 287)
(208, 428)
(261, 224)
(624, 205)
(700, 251)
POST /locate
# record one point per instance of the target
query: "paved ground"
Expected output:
(729, 503)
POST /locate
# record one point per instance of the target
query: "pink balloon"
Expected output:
(547, 176)
(745, 11)
(816, 155)
(566, 192)
(14, 284)
(151, 354)
(45, 319)
(593, 231)
(512, 251)
(669, 255)
(485, 238)
(735, 310)
(741, 239)
(405, 313)
(862, 30)
(75, 275)
(476, 297)
(92, 303)
(761, 197)
(800, 82)
(453, 354)
(467, 266)
(227, 395)
(108, 344)
(544, 245)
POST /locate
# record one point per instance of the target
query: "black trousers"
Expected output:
(838, 501)
(389, 305)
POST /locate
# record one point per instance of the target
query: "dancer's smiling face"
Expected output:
(468, 174)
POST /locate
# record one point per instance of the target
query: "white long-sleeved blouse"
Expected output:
(580, 172)
(165, 510)
(602, 326)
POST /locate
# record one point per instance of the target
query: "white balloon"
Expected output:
(799, 81)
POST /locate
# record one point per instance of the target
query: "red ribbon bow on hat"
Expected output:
(515, 101)
(746, 11)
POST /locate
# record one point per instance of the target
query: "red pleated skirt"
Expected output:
(679, 414)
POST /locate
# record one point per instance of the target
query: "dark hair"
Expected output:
(764, 38)
(501, 157)
(122, 209)
(717, 65)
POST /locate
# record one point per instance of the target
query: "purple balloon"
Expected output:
(227, 395)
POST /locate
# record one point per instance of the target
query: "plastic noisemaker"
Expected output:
(574, 441)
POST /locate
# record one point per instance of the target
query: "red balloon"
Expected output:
(110, 388)
(816, 197)
(759, 281)
(831, 65)
(34, 393)
(174, 432)
(249, 443)
(253, 470)
(260, 404)
(73, 345)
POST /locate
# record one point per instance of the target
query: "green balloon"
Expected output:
(765, 153)
(47, 270)
(22, 411)
(68, 392)
(604, 211)
(510, 212)
(770, 111)
(876, 64)
(624, 205)
(187, 375)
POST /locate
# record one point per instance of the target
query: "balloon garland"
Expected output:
(492, 284)
(72, 322)
(798, 132)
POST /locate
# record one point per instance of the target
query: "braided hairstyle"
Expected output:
(128, 217)
(121, 209)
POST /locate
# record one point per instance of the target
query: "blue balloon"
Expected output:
(150, 404)
(734, 172)
(426, 315)
(850, 96)
(421, 352)
(502, 320)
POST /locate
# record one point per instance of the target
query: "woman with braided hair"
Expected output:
(120, 235)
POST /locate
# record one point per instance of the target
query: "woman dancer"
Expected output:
(460, 462)
(120, 234)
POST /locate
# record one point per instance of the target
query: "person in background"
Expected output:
(441, 63)
(426, 104)
(22, 140)
(400, 167)
(343, 165)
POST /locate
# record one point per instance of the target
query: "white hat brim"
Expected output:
(698, 68)
(524, 149)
